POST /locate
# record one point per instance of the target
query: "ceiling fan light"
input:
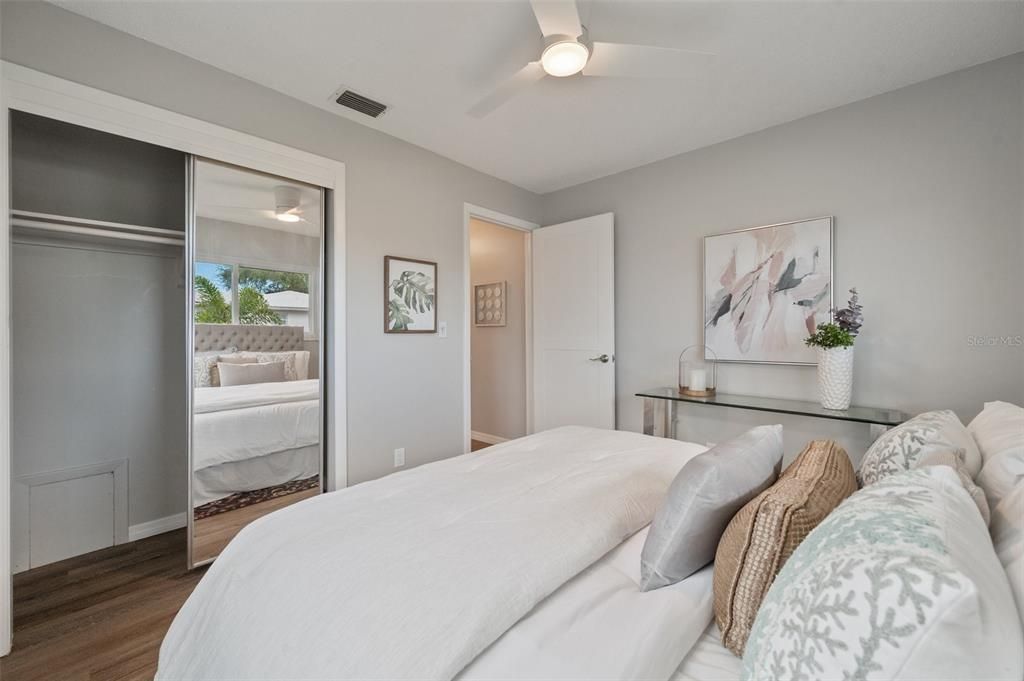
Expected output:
(564, 58)
(287, 217)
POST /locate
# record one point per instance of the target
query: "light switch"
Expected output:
(442, 329)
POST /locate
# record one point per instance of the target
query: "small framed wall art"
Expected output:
(490, 306)
(410, 295)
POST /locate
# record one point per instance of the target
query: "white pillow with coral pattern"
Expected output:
(899, 582)
(902, 448)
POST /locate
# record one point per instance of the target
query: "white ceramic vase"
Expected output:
(835, 377)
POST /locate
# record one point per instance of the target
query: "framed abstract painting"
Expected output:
(766, 289)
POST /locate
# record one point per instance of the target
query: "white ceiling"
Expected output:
(246, 197)
(431, 60)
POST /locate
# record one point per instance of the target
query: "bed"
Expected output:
(709, 660)
(521, 560)
(253, 437)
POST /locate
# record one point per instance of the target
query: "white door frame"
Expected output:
(469, 212)
(31, 91)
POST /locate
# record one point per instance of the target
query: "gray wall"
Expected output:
(98, 368)
(403, 391)
(499, 352)
(925, 184)
(232, 242)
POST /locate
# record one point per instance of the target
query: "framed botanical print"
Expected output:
(766, 289)
(410, 295)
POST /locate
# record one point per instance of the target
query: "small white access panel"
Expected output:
(67, 512)
(70, 517)
(574, 324)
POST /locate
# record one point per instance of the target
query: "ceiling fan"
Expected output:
(288, 206)
(568, 51)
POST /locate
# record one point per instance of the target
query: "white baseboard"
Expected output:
(155, 527)
(489, 439)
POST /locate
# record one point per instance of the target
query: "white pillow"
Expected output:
(903, 447)
(1008, 539)
(999, 433)
(202, 362)
(296, 361)
(901, 581)
(955, 460)
(999, 427)
(229, 359)
(249, 374)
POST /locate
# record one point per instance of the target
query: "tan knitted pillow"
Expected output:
(768, 529)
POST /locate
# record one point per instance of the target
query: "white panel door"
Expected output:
(574, 324)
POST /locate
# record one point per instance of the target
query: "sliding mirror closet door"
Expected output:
(257, 339)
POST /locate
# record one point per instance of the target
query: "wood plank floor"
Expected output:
(101, 616)
(214, 533)
(476, 445)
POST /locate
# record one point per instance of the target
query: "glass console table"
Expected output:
(660, 409)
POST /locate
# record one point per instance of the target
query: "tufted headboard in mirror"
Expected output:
(248, 338)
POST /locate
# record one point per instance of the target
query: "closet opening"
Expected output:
(499, 327)
(98, 383)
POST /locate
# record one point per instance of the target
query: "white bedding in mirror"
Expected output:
(236, 423)
(223, 480)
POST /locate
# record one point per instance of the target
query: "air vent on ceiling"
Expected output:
(357, 102)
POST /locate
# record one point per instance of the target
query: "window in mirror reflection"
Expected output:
(213, 293)
(236, 294)
(284, 296)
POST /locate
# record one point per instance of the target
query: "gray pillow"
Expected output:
(247, 374)
(701, 501)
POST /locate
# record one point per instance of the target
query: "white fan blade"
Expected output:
(513, 85)
(259, 211)
(230, 207)
(643, 61)
(557, 17)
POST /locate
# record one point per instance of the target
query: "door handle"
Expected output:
(603, 359)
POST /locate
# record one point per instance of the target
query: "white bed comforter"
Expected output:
(599, 626)
(239, 422)
(413, 575)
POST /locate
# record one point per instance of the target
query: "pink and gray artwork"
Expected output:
(766, 289)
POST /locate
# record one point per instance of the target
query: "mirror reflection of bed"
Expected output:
(256, 397)
(255, 446)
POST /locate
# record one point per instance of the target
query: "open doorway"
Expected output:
(498, 351)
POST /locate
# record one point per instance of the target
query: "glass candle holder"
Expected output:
(697, 371)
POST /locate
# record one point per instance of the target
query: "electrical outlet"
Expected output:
(442, 329)
(399, 457)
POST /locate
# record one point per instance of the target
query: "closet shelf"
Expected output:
(46, 222)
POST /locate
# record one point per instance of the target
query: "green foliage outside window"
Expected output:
(253, 308)
(266, 281)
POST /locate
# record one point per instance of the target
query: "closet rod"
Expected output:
(120, 226)
(92, 231)
(112, 230)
